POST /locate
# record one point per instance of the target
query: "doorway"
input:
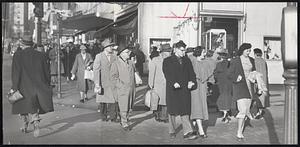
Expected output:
(231, 27)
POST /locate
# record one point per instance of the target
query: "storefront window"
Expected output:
(157, 42)
(272, 48)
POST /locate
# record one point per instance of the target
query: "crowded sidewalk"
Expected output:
(73, 122)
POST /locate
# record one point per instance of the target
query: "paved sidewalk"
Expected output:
(265, 131)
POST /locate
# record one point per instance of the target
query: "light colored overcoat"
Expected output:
(122, 76)
(157, 79)
(78, 69)
(101, 68)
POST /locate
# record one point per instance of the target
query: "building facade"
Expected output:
(256, 23)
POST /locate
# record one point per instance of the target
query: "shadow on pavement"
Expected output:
(271, 129)
(91, 117)
(139, 120)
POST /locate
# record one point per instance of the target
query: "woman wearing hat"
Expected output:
(242, 91)
(82, 62)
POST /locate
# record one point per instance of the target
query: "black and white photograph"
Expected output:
(149, 73)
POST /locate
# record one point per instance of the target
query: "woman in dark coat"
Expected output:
(31, 76)
(243, 90)
(224, 86)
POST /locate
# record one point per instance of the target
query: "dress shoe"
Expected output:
(190, 136)
(172, 135)
(259, 115)
(82, 100)
(203, 136)
(126, 128)
(86, 99)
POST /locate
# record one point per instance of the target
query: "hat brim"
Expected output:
(113, 44)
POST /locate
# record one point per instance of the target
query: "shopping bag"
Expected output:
(151, 100)
(14, 96)
(154, 100)
(89, 74)
(148, 98)
(138, 79)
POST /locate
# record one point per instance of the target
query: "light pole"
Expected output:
(39, 13)
(289, 57)
(58, 58)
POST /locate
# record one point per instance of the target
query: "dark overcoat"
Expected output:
(178, 100)
(31, 76)
(239, 89)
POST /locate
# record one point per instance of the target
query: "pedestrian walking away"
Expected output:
(122, 76)
(157, 82)
(180, 79)
(31, 76)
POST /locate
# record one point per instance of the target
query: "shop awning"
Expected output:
(125, 24)
(85, 22)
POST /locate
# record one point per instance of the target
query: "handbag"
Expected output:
(151, 100)
(138, 79)
(14, 96)
(148, 98)
(89, 74)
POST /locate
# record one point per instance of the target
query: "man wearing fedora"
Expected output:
(31, 76)
(122, 76)
(157, 82)
(103, 84)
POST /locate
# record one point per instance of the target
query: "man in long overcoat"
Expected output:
(180, 79)
(31, 76)
(103, 83)
(122, 76)
(157, 82)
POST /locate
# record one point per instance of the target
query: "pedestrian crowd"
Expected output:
(181, 79)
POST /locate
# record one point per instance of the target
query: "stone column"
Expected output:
(289, 57)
